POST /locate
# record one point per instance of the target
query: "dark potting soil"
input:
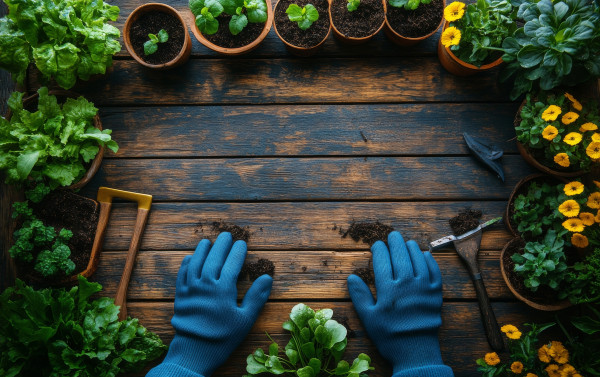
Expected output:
(224, 38)
(465, 221)
(253, 270)
(369, 233)
(360, 23)
(366, 274)
(416, 23)
(151, 23)
(292, 33)
(237, 232)
(343, 320)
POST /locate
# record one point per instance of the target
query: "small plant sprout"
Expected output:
(151, 46)
(353, 5)
(406, 4)
(303, 16)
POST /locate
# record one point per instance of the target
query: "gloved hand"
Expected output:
(404, 321)
(208, 323)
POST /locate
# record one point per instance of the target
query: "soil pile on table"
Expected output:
(254, 270)
(237, 232)
(366, 232)
(366, 274)
(152, 23)
(465, 221)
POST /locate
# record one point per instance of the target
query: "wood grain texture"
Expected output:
(249, 131)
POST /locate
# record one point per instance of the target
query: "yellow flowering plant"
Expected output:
(476, 31)
(559, 131)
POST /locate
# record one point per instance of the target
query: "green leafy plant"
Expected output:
(304, 16)
(66, 39)
(353, 5)
(408, 4)
(583, 280)
(151, 46)
(535, 210)
(53, 143)
(241, 11)
(559, 44)
(315, 349)
(58, 332)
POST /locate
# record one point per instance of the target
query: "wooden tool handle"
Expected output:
(492, 330)
(134, 246)
(99, 238)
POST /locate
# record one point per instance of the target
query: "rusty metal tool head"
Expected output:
(467, 247)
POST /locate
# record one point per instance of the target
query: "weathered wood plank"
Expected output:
(293, 226)
(406, 129)
(373, 178)
(299, 275)
(260, 81)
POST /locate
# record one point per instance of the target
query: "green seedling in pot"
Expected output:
(408, 4)
(242, 12)
(353, 5)
(151, 46)
(303, 16)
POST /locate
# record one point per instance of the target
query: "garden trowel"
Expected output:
(467, 247)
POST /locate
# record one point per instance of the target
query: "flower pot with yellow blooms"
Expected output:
(473, 35)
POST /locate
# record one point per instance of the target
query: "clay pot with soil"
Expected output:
(358, 25)
(156, 36)
(407, 27)
(302, 40)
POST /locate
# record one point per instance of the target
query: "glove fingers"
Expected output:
(418, 259)
(183, 271)
(382, 266)
(197, 261)
(435, 275)
(216, 257)
(235, 261)
(257, 295)
(360, 294)
(401, 265)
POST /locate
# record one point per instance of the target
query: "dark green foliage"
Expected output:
(536, 211)
(151, 46)
(408, 4)
(584, 280)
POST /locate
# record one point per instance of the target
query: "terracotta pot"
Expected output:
(401, 40)
(458, 67)
(297, 50)
(353, 40)
(236, 50)
(31, 101)
(186, 49)
(559, 305)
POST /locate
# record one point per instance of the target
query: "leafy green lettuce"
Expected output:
(58, 332)
(66, 39)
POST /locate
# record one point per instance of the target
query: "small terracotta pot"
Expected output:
(186, 49)
(29, 102)
(302, 51)
(401, 40)
(559, 305)
(236, 50)
(354, 40)
(458, 67)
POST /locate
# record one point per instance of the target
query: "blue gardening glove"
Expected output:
(404, 321)
(208, 323)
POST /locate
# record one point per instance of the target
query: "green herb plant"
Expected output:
(535, 210)
(408, 4)
(304, 16)
(315, 349)
(559, 44)
(151, 45)
(242, 12)
(583, 281)
(58, 332)
(353, 5)
(53, 143)
(66, 39)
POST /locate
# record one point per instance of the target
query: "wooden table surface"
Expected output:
(291, 149)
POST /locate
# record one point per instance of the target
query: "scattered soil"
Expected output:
(368, 233)
(360, 23)
(366, 274)
(237, 232)
(224, 38)
(343, 320)
(255, 269)
(290, 31)
(465, 221)
(416, 23)
(153, 22)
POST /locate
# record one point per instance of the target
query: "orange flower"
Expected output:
(573, 138)
(587, 218)
(531, 375)
(550, 132)
(576, 105)
(569, 117)
(551, 113)
(568, 371)
(562, 159)
(491, 358)
(553, 370)
(545, 354)
(573, 188)
(589, 126)
(593, 150)
(569, 208)
(560, 353)
(573, 225)
(516, 367)
(593, 200)
(511, 332)
(597, 218)
(596, 137)
(580, 241)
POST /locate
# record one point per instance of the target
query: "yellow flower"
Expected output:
(531, 375)
(562, 159)
(569, 208)
(575, 103)
(597, 218)
(573, 188)
(573, 225)
(516, 367)
(593, 150)
(589, 126)
(569, 117)
(511, 331)
(596, 137)
(451, 37)
(572, 138)
(549, 133)
(553, 370)
(551, 113)
(593, 200)
(491, 358)
(560, 353)
(545, 354)
(580, 241)
(587, 218)
(568, 371)
(454, 11)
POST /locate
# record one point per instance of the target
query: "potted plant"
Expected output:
(65, 41)
(558, 44)
(231, 27)
(407, 22)
(302, 25)
(473, 35)
(557, 134)
(156, 36)
(356, 21)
